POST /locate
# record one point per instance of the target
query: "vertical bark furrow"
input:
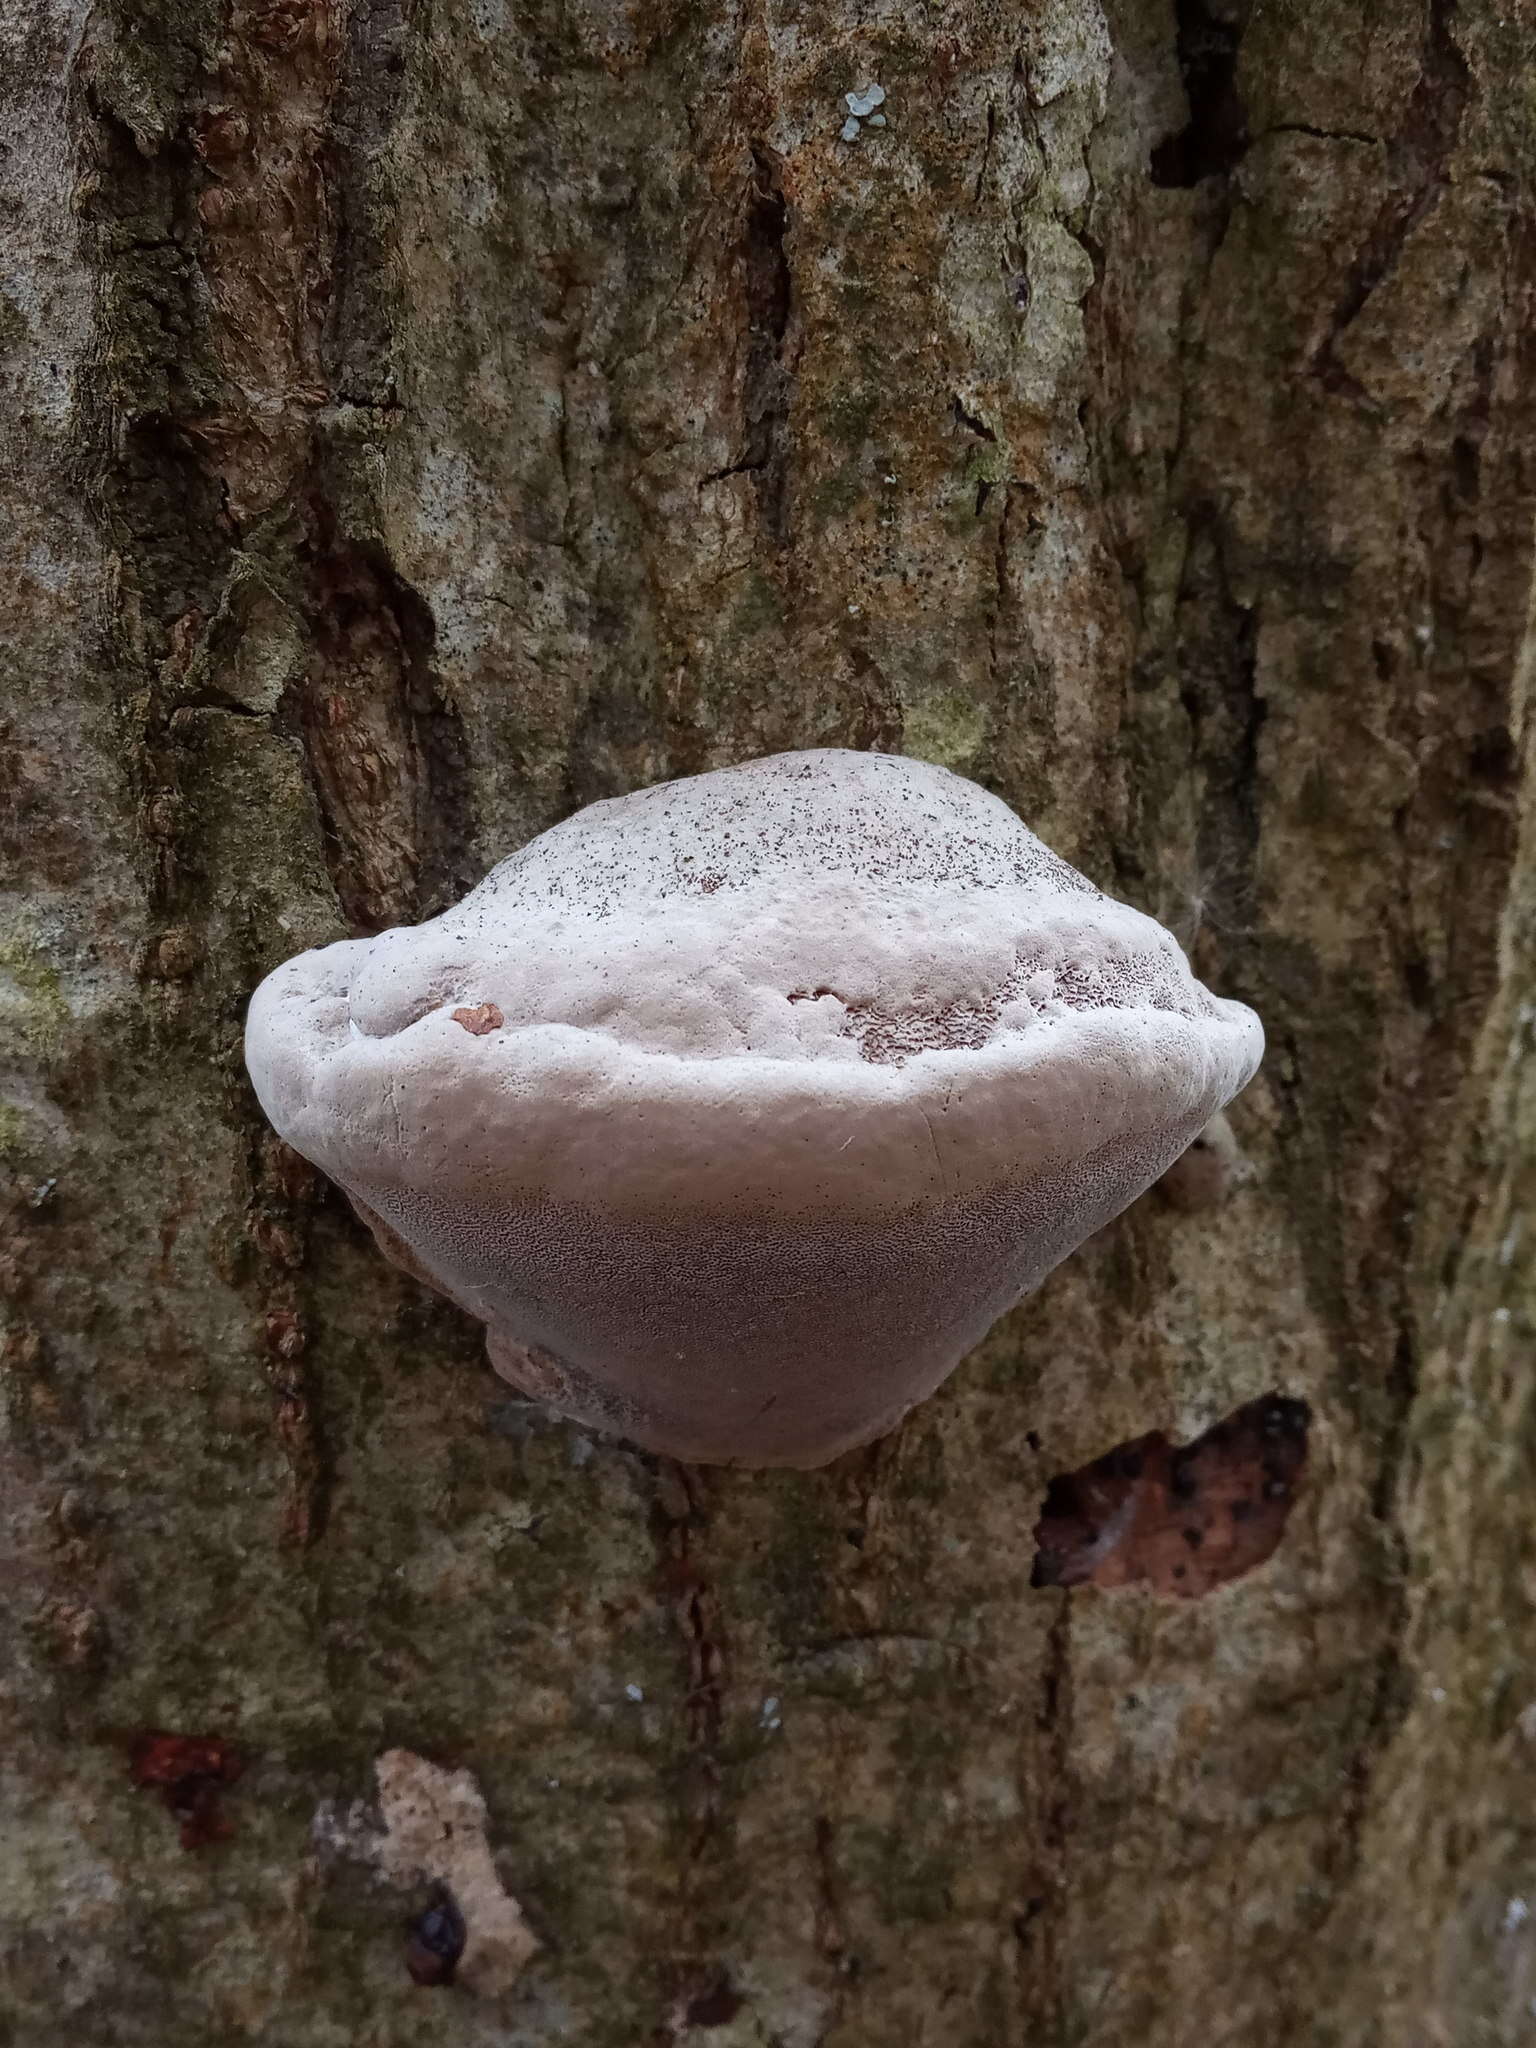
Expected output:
(1418, 158)
(768, 380)
(384, 746)
(1212, 143)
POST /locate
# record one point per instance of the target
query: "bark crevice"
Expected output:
(768, 378)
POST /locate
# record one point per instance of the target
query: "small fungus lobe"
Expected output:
(792, 1078)
(861, 106)
(1205, 1175)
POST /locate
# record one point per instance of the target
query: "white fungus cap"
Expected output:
(771, 1090)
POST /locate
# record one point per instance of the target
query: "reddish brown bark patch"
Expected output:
(484, 1017)
(1182, 1518)
(189, 1771)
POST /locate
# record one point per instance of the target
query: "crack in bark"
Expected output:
(1001, 591)
(876, 717)
(986, 155)
(1215, 138)
(1218, 690)
(1037, 1925)
(1317, 134)
(1386, 1707)
(383, 744)
(972, 422)
(768, 380)
(1417, 160)
(285, 1191)
(830, 1924)
(681, 1502)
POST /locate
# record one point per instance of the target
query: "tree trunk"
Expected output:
(427, 419)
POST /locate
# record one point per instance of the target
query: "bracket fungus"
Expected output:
(739, 1108)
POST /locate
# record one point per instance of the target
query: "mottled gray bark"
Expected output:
(422, 420)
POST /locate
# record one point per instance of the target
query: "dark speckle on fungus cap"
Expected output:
(802, 1073)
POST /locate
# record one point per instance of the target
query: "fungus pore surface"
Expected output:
(739, 1108)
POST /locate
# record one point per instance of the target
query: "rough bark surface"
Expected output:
(426, 416)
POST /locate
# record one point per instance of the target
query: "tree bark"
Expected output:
(427, 419)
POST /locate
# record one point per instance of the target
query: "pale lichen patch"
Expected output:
(434, 1831)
